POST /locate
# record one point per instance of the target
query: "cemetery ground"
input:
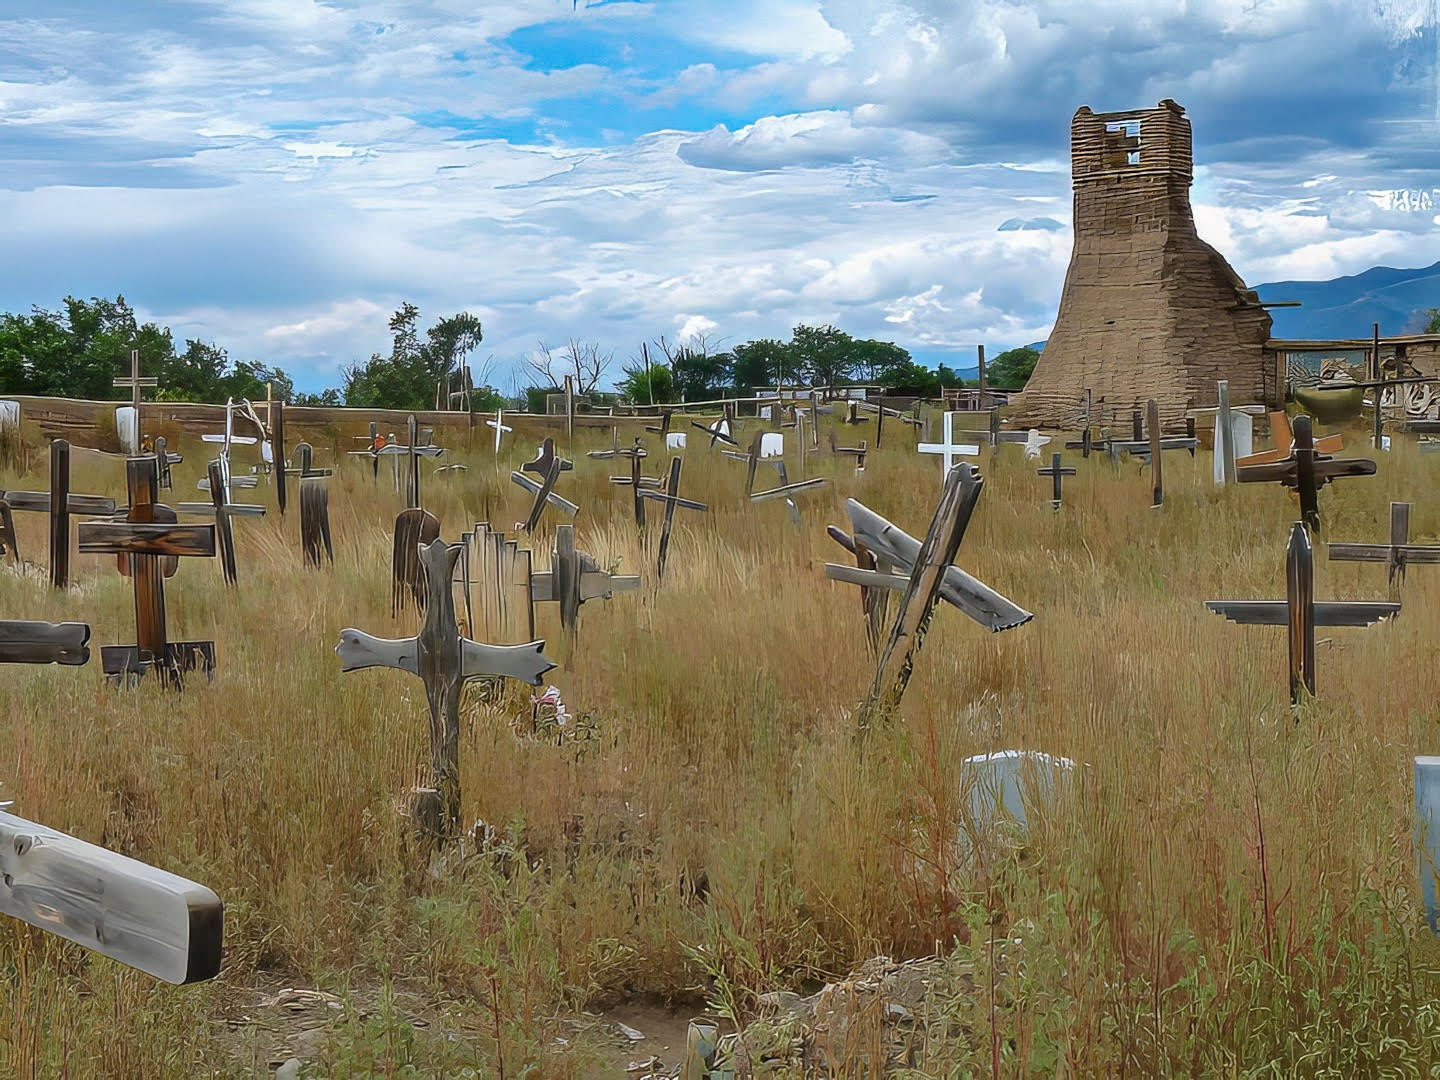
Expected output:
(1230, 887)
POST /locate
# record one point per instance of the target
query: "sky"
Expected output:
(277, 176)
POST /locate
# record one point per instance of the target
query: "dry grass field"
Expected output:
(1232, 892)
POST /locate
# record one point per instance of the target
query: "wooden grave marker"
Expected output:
(60, 504)
(500, 428)
(670, 497)
(504, 573)
(1305, 470)
(227, 439)
(314, 506)
(222, 510)
(1283, 436)
(27, 642)
(1057, 475)
(786, 490)
(134, 383)
(444, 661)
(573, 578)
(548, 465)
(146, 918)
(1397, 554)
(949, 449)
(722, 430)
(163, 460)
(637, 482)
(1300, 612)
(857, 452)
(145, 537)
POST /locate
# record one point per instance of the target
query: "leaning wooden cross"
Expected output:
(785, 490)
(1398, 554)
(573, 578)
(60, 504)
(144, 539)
(414, 526)
(227, 439)
(1300, 612)
(222, 510)
(930, 577)
(637, 482)
(1305, 470)
(443, 660)
(548, 465)
(670, 497)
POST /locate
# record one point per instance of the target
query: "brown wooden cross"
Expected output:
(1305, 470)
(163, 460)
(145, 537)
(786, 489)
(548, 465)
(444, 660)
(635, 480)
(60, 504)
(1300, 612)
(1398, 554)
(573, 578)
(671, 498)
(165, 925)
(135, 384)
(720, 431)
(222, 510)
(314, 505)
(1057, 475)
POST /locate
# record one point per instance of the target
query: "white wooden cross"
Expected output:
(500, 429)
(227, 439)
(950, 449)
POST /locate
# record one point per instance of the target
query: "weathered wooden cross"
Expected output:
(1397, 554)
(222, 510)
(503, 570)
(786, 490)
(573, 578)
(671, 498)
(444, 660)
(1284, 439)
(148, 535)
(720, 430)
(27, 642)
(1305, 470)
(227, 439)
(1057, 475)
(548, 465)
(163, 460)
(857, 452)
(59, 503)
(635, 480)
(930, 577)
(1300, 612)
(134, 383)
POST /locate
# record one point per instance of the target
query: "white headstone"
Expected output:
(772, 444)
(1242, 429)
(675, 440)
(1033, 442)
(9, 414)
(127, 426)
(1006, 785)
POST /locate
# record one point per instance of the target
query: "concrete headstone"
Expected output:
(127, 426)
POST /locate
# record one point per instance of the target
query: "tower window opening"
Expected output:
(1122, 143)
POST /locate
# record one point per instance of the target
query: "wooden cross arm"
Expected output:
(1410, 553)
(874, 579)
(1068, 470)
(654, 483)
(148, 380)
(593, 586)
(145, 538)
(534, 487)
(713, 433)
(240, 440)
(163, 924)
(661, 496)
(208, 509)
(358, 650)
(1277, 612)
(1329, 468)
(788, 489)
(1282, 471)
(23, 642)
(39, 502)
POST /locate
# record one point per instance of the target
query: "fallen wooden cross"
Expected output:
(1057, 475)
(786, 489)
(1305, 470)
(165, 925)
(1284, 439)
(443, 660)
(671, 498)
(222, 509)
(314, 506)
(60, 504)
(1300, 612)
(1397, 554)
(720, 430)
(147, 535)
(26, 642)
(547, 465)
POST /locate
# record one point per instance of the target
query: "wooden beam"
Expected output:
(23, 642)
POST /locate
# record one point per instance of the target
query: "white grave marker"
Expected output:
(772, 444)
(675, 440)
(1033, 442)
(1009, 783)
(949, 448)
(127, 426)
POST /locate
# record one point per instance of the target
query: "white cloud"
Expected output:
(344, 315)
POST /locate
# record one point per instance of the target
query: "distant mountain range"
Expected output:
(1348, 307)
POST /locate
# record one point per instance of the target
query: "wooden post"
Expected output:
(8, 544)
(1057, 474)
(1399, 538)
(570, 414)
(412, 488)
(1379, 388)
(980, 375)
(277, 449)
(60, 513)
(1157, 457)
(639, 495)
(1225, 444)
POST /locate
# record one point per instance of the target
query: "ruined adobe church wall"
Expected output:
(1148, 310)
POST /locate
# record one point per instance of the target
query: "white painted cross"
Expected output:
(949, 448)
(1033, 442)
(500, 429)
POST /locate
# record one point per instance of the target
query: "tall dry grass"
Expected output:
(1234, 891)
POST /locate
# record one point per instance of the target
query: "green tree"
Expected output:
(910, 376)
(882, 362)
(406, 379)
(823, 354)
(1011, 369)
(765, 362)
(1432, 321)
(644, 387)
(698, 375)
(325, 397)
